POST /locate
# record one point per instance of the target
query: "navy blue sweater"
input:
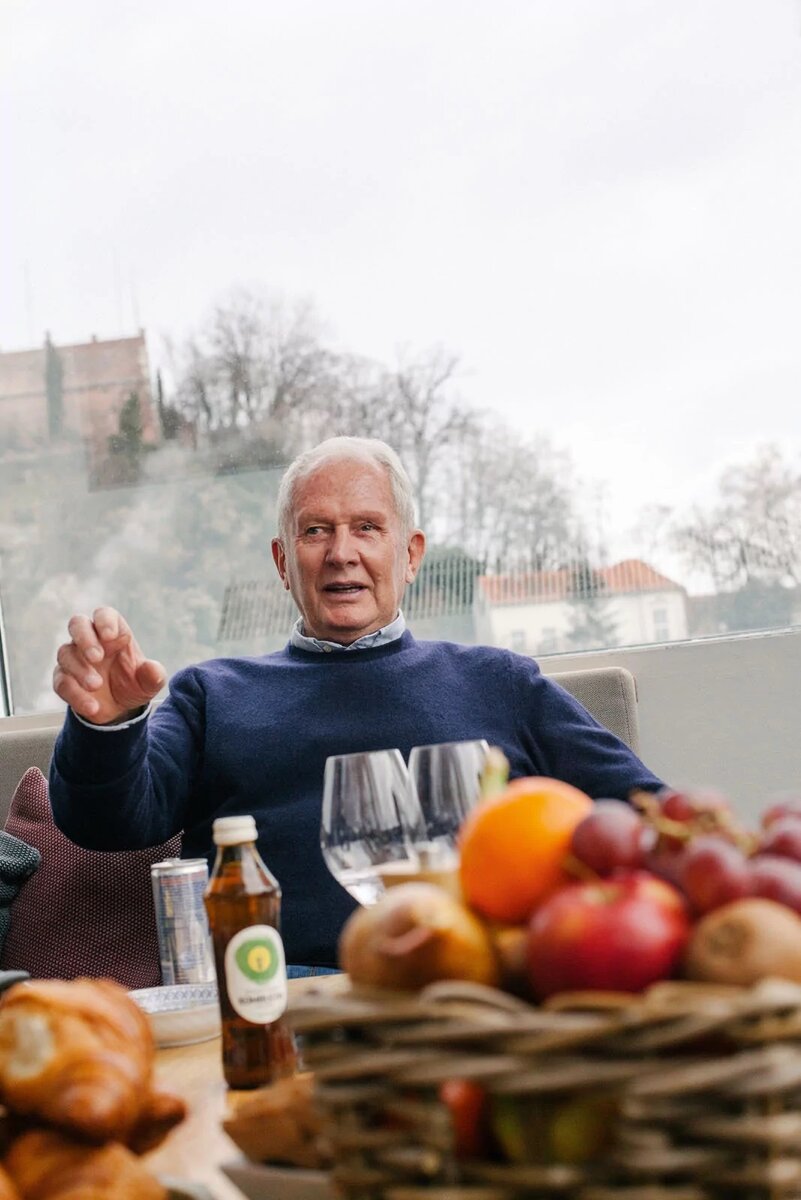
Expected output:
(242, 735)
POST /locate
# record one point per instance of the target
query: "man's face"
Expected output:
(347, 560)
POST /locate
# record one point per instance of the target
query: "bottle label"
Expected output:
(255, 974)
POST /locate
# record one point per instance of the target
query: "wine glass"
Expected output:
(447, 779)
(370, 823)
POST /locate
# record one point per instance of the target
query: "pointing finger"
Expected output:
(110, 625)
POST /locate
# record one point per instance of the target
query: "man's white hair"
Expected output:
(336, 449)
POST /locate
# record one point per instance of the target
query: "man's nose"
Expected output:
(342, 547)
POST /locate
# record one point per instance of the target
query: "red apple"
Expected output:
(468, 1105)
(618, 934)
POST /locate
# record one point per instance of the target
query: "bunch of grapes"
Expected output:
(693, 840)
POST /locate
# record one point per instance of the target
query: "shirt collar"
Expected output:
(380, 637)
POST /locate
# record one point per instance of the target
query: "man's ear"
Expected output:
(414, 554)
(279, 558)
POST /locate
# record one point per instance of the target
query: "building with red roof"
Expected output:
(580, 608)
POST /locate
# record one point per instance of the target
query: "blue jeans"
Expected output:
(305, 972)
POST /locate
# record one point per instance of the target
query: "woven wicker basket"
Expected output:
(701, 1087)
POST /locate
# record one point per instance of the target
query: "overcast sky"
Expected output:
(595, 203)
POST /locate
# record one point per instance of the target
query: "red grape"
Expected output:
(678, 806)
(783, 837)
(712, 871)
(685, 806)
(664, 859)
(785, 806)
(610, 836)
(775, 878)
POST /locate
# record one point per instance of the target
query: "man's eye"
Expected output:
(367, 525)
(312, 529)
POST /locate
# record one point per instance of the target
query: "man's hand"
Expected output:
(101, 673)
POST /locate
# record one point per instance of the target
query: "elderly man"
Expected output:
(252, 735)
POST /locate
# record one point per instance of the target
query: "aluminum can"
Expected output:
(185, 947)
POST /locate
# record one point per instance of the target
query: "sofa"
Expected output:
(24, 744)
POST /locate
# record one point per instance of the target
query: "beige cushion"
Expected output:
(20, 749)
(610, 694)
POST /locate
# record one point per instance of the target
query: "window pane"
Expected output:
(552, 259)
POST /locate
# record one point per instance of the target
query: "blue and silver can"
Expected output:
(183, 930)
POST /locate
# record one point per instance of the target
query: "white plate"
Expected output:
(181, 1013)
(260, 1182)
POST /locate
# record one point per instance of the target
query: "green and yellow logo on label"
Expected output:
(255, 974)
(257, 960)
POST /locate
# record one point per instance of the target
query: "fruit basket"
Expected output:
(688, 1092)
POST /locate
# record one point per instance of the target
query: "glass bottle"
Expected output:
(243, 902)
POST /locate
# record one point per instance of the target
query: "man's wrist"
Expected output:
(130, 715)
(124, 721)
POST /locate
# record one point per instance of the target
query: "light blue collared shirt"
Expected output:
(381, 637)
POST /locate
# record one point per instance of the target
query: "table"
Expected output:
(196, 1148)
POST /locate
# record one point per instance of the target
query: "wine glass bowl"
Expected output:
(371, 820)
(447, 779)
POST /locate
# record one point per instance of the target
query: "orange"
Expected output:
(512, 846)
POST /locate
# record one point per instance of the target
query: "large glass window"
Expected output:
(549, 252)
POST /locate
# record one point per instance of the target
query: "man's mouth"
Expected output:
(344, 589)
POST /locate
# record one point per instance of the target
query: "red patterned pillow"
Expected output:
(83, 912)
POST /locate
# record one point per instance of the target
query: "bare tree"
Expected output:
(409, 407)
(511, 499)
(652, 529)
(258, 370)
(358, 402)
(426, 418)
(753, 530)
(255, 360)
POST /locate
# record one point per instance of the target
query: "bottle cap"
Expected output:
(229, 831)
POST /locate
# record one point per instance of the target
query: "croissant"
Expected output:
(7, 1189)
(161, 1112)
(46, 1165)
(76, 1054)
